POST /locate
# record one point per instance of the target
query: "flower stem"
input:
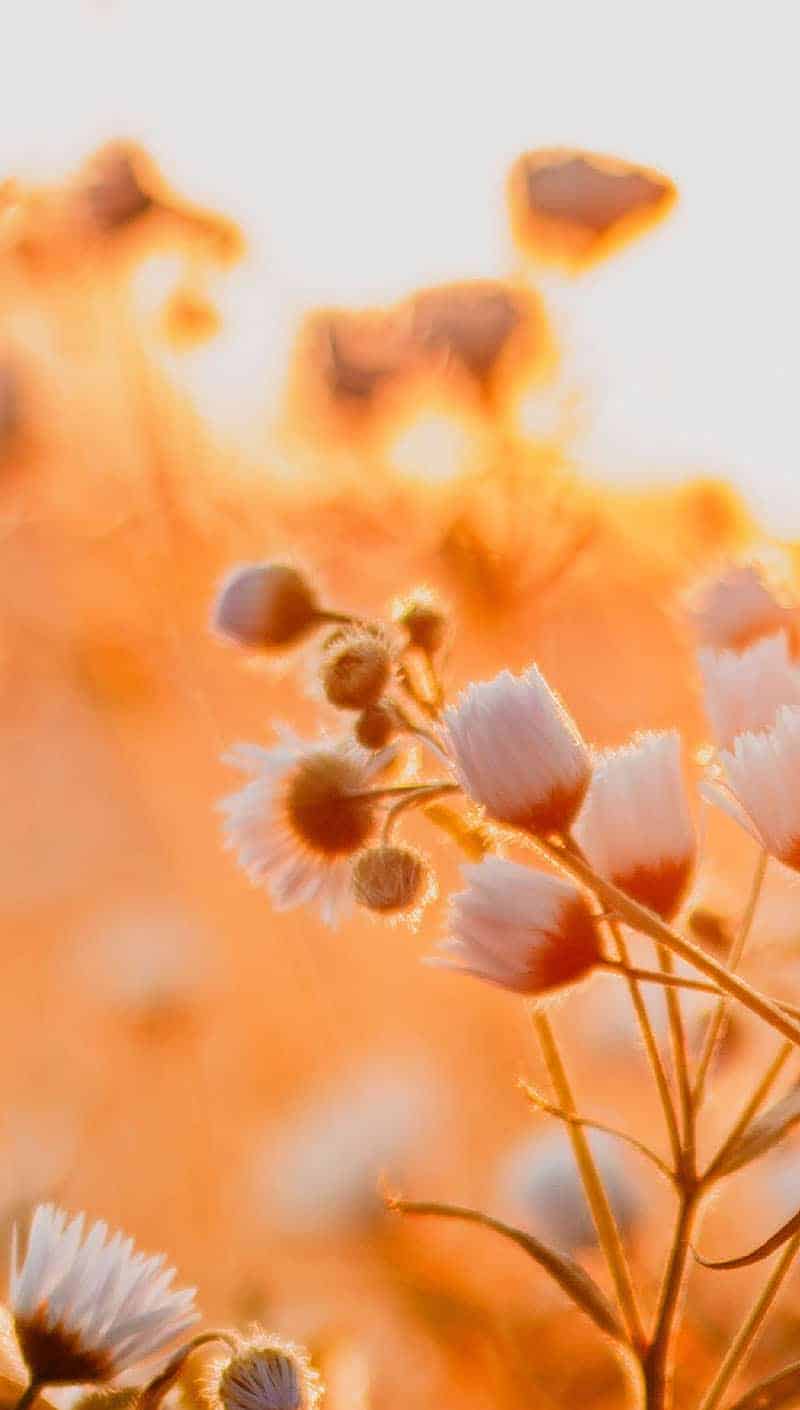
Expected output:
(657, 1371)
(656, 976)
(648, 923)
(680, 1058)
(596, 1196)
(29, 1395)
(752, 1105)
(743, 1341)
(716, 1026)
(426, 794)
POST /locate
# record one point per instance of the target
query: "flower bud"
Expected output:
(423, 620)
(389, 879)
(355, 669)
(266, 1374)
(375, 725)
(265, 605)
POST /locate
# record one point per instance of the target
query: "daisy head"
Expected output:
(265, 1373)
(302, 817)
(87, 1306)
(737, 608)
(517, 752)
(521, 929)
(745, 689)
(762, 773)
(635, 826)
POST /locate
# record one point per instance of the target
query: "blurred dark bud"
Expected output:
(572, 208)
(356, 669)
(712, 930)
(473, 329)
(10, 403)
(423, 619)
(113, 186)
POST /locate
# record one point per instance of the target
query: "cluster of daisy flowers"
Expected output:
(86, 1306)
(318, 821)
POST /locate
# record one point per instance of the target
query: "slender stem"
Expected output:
(647, 923)
(716, 1027)
(743, 1341)
(29, 1395)
(550, 1109)
(651, 1048)
(667, 980)
(426, 736)
(410, 800)
(657, 1370)
(596, 1196)
(759, 1095)
(407, 790)
(680, 1058)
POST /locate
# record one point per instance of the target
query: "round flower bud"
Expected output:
(265, 605)
(424, 621)
(375, 725)
(355, 670)
(389, 879)
(265, 1374)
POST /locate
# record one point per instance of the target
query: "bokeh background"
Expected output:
(227, 1083)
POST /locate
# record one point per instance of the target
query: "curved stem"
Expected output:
(716, 1026)
(751, 1106)
(597, 1199)
(657, 976)
(743, 1341)
(410, 799)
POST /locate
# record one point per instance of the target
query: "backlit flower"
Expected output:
(745, 689)
(635, 826)
(266, 605)
(517, 752)
(266, 1374)
(737, 608)
(298, 823)
(763, 794)
(85, 1308)
(521, 929)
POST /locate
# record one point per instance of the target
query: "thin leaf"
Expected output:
(757, 1255)
(780, 1390)
(762, 1134)
(570, 1277)
(542, 1104)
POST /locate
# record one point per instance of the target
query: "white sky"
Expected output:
(364, 147)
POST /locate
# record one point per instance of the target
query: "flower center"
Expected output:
(321, 808)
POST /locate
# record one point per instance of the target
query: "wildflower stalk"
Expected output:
(596, 1196)
(716, 1024)
(759, 1095)
(743, 1341)
(656, 1361)
(647, 923)
(680, 1058)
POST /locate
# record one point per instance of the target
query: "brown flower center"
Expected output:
(56, 1356)
(321, 807)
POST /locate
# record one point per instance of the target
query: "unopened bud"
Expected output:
(424, 621)
(355, 669)
(265, 605)
(711, 929)
(267, 1375)
(389, 879)
(376, 725)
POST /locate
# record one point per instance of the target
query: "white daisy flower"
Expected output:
(517, 752)
(763, 793)
(745, 689)
(521, 929)
(635, 826)
(737, 608)
(297, 825)
(266, 1374)
(85, 1308)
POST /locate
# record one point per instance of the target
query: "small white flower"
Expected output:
(266, 1374)
(635, 826)
(744, 690)
(86, 1308)
(301, 819)
(737, 608)
(521, 929)
(763, 794)
(517, 752)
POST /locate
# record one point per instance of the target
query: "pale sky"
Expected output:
(364, 148)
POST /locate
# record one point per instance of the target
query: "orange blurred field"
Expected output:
(229, 1083)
